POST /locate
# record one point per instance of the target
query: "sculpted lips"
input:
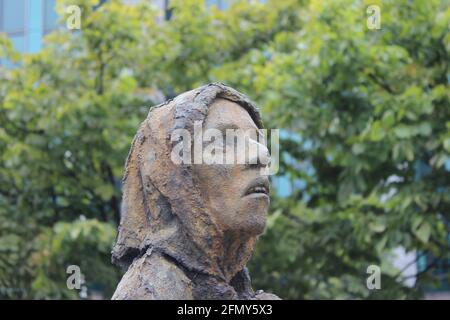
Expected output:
(258, 186)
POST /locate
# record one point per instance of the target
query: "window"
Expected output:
(12, 16)
(12, 21)
(50, 17)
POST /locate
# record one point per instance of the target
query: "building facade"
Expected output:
(26, 22)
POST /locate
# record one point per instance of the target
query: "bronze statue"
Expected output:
(187, 231)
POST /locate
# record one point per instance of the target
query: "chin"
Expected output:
(251, 216)
(258, 228)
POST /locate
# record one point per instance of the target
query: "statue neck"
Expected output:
(237, 250)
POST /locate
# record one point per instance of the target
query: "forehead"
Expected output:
(223, 113)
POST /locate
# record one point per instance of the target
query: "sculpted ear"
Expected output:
(134, 221)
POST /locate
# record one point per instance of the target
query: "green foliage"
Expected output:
(365, 115)
(67, 116)
(85, 243)
(369, 111)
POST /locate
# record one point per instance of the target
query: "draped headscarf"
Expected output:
(162, 207)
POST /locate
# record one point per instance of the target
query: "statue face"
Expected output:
(236, 194)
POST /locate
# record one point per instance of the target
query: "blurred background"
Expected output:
(361, 96)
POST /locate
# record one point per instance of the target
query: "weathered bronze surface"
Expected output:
(187, 231)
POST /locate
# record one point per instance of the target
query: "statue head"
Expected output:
(203, 214)
(236, 194)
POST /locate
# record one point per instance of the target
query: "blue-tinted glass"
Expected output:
(447, 165)
(18, 42)
(50, 16)
(13, 15)
(220, 4)
(224, 4)
(282, 186)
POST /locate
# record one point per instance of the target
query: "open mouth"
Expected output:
(258, 186)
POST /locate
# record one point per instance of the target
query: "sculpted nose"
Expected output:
(258, 154)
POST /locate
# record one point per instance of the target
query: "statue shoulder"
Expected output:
(153, 277)
(261, 295)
